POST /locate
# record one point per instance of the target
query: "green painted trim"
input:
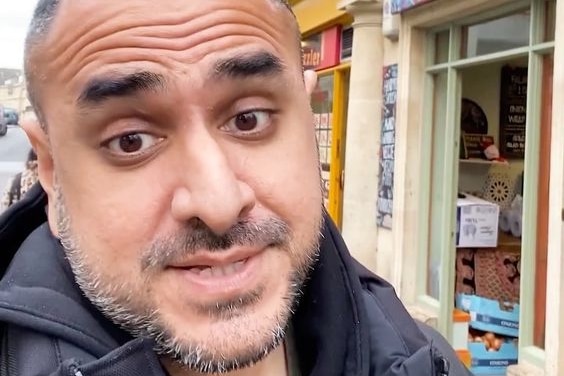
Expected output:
(431, 49)
(484, 59)
(533, 355)
(455, 42)
(448, 184)
(438, 68)
(425, 191)
(538, 17)
(530, 193)
(447, 219)
(429, 303)
(542, 48)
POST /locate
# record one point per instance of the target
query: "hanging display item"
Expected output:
(473, 119)
(513, 111)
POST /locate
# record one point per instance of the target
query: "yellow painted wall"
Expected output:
(313, 15)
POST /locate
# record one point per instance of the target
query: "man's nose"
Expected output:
(210, 190)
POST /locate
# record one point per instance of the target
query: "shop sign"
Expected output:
(513, 111)
(402, 5)
(322, 50)
(387, 149)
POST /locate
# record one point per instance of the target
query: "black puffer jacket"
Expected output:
(349, 322)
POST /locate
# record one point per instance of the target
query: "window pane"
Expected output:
(437, 195)
(441, 47)
(322, 104)
(550, 7)
(496, 35)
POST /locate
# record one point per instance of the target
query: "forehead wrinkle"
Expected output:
(219, 42)
(173, 30)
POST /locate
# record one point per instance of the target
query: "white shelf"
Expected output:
(481, 162)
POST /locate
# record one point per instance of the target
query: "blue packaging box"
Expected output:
(489, 315)
(492, 362)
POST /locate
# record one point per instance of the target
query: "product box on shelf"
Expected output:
(486, 360)
(490, 315)
(476, 222)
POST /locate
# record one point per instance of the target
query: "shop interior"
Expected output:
(491, 176)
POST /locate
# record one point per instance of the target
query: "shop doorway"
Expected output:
(329, 103)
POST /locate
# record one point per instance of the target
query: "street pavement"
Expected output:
(14, 147)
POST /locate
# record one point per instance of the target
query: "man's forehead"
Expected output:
(131, 5)
(84, 26)
(73, 19)
(81, 49)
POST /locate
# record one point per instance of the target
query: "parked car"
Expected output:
(11, 116)
(3, 123)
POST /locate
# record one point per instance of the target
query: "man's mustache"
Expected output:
(197, 236)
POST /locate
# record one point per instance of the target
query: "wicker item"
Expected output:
(497, 274)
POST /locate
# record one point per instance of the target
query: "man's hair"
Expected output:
(43, 17)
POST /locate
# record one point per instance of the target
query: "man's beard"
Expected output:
(119, 303)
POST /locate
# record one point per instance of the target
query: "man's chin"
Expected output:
(227, 347)
(230, 334)
(228, 309)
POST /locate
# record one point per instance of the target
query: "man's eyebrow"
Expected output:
(248, 65)
(99, 90)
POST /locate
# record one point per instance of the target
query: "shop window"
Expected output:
(322, 104)
(496, 35)
(486, 152)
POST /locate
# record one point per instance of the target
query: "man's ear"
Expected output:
(40, 143)
(310, 79)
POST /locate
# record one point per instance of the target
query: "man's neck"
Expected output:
(273, 365)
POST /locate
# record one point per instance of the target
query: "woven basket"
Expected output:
(497, 274)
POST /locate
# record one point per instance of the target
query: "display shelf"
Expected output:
(481, 162)
(504, 239)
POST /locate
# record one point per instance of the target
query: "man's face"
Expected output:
(182, 170)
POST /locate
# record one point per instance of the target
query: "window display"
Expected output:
(498, 107)
(322, 105)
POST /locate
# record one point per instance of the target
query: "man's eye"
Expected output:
(249, 123)
(132, 143)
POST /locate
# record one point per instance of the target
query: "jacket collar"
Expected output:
(330, 323)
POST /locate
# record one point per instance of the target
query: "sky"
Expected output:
(14, 19)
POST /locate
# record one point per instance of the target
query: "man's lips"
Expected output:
(217, 264)
(222, 274)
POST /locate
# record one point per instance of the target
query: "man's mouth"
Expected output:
(222, 275)
(207, 271)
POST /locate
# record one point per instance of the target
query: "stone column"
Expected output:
(363, 131)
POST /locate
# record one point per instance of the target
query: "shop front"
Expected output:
(326, 46)
(453, 186)
(477, 222)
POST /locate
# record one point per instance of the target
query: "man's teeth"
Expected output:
(218, 271)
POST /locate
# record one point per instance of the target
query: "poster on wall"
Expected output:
(401, 5)
(513, 111)
(387, 148)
